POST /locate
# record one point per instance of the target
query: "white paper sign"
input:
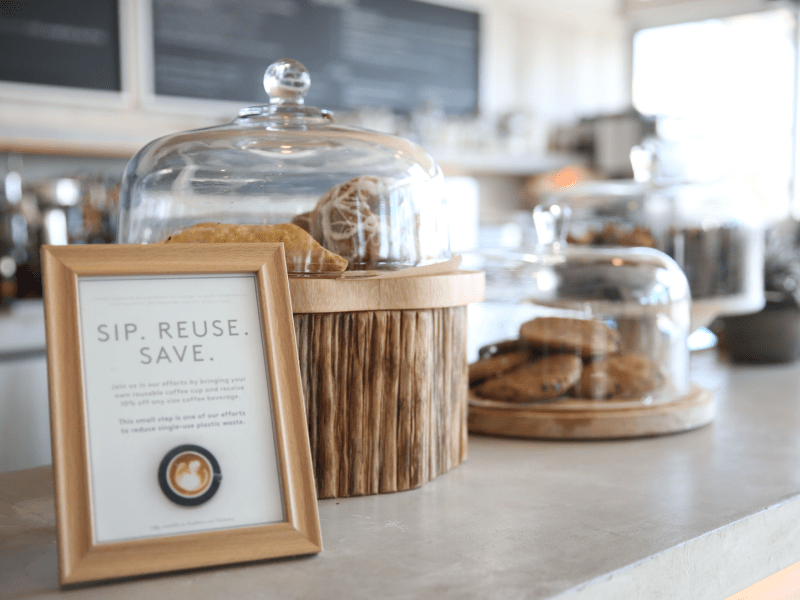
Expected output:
(179, 413)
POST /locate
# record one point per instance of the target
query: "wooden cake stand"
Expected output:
(591, 419)
(383, 364)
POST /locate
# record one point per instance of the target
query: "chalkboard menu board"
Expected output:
(71, 43)
(393, 53)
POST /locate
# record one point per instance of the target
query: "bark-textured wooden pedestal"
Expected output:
(385, 388)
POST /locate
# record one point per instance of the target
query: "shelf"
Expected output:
(492, 162)
(87, 131)
(68, 147)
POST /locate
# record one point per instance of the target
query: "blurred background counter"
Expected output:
(24, 412)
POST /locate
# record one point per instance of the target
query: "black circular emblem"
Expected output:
(189, 475)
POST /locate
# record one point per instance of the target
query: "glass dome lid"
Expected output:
(374, 199)
(615, 320)
(712, 229)
(631, 281)
(591, 279)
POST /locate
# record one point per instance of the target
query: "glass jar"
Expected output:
(375, 200)
(710, 228)
(567, 324)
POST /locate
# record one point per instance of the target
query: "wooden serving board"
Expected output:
(587, 420)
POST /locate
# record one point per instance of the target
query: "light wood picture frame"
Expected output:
(112, 519)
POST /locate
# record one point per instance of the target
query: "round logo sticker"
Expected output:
(189, 475)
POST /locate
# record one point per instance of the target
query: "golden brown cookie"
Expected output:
(584, 336)
(619, 376)
(543, 379)
(641, 237)
(495, 365)
(614, 235)
(500, 348)
(303, 253)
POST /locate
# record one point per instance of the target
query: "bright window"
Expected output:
(730, 85)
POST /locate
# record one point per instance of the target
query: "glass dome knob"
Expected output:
(550, 224)
(286, 82)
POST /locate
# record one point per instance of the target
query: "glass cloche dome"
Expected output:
(710, 227)
(566, 324)
(375, 200)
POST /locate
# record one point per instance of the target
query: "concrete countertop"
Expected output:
(697, 515)
(22, 329)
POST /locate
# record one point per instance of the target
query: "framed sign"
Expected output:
(178, 430)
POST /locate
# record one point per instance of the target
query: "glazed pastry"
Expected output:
(344, 222)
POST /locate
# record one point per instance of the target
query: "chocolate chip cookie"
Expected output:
(543, 379)
(495, 365)
(618, 376)
(581, 336)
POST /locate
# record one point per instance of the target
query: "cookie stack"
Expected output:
(561, 358)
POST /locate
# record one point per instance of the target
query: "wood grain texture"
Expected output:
(390, 391)
(389, 399)
(593, 420)
(320, 295)
(68, 433)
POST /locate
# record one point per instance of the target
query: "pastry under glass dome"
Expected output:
(375, 199)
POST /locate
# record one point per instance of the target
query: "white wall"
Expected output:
(559, 60)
